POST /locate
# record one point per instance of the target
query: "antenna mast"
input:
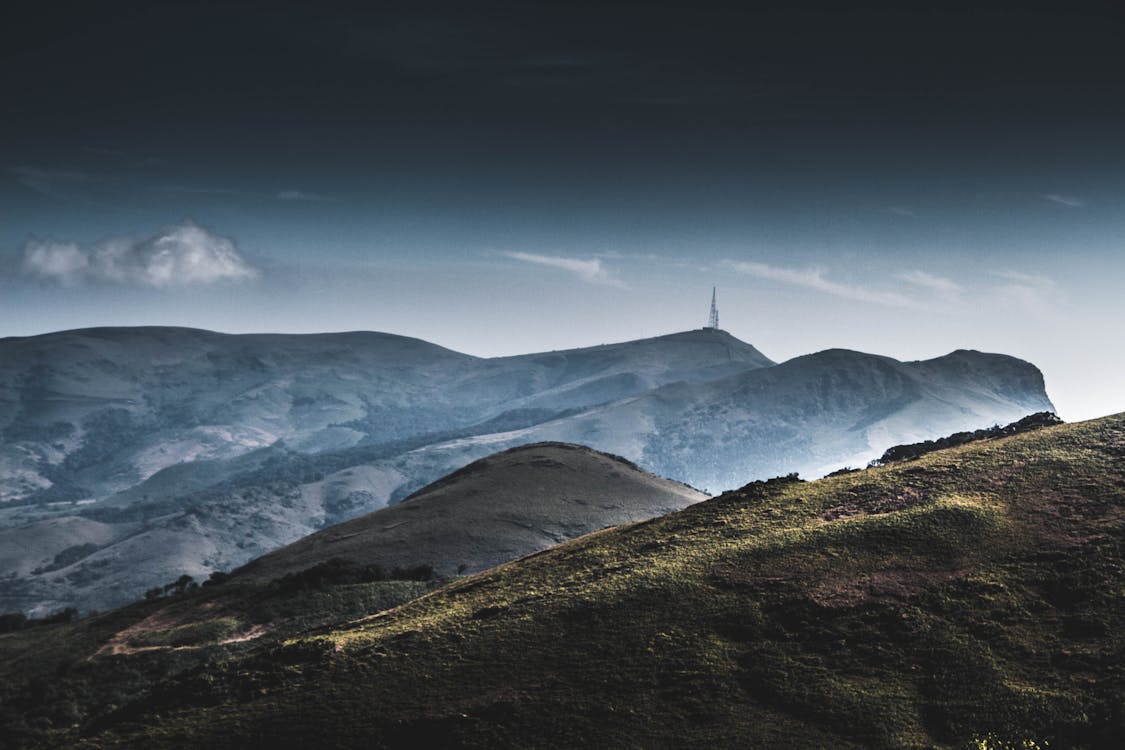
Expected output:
(713, 321)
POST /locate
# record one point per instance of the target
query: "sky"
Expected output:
(502, 178)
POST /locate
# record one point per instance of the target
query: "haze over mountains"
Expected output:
(131, 456)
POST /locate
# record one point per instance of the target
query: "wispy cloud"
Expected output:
(900, 211)
(125, 156)
(281, 195)
(1031, 293)
(815, 279)
(1029, 279)
(182, 254)
(301, 195)
(592, 271)
(1064, 200)
(201, 190)
(55, 183)
(85, 186)
(939, 285)
(99, 151)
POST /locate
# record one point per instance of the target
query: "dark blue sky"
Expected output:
(503, 177)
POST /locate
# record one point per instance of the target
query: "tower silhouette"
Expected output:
(713, 321)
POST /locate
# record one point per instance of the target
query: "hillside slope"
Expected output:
(494, 510)
(975, 591)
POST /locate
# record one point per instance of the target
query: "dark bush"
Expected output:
(70, 614)
(843, 471)
(414, 573)
(909, 451)
(181, 585)
(217, 578)
(330, 573)
(68, 557)
(336, 571)
(13, 621)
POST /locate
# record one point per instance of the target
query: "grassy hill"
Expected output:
(973, 593)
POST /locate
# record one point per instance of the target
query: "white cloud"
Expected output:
(1064, 200)
(64, 262)
(183, 254)
(591, 271)
(814, 278)
(939, 285)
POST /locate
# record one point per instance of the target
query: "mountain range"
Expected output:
(131, 456)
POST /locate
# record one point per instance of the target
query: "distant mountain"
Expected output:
(494, 510)
(85, 414)
(181, 451)
(811, 414)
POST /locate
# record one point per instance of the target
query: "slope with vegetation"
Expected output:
(972, 595)
(59, 674)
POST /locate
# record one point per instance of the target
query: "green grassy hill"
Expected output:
(973, 594)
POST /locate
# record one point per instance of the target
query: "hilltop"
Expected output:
(494, 510)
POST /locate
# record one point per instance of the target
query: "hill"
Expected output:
(970, 593)
(494, 510)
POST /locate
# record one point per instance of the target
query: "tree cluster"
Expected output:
(13, 621)
(909, 451)
(336, 571)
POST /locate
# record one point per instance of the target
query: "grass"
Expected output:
(972, 595)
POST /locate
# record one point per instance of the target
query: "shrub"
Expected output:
(13, 621)
(217, 578)
(336, 571)
(414, 573)
(910, 451)
(70, 614)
